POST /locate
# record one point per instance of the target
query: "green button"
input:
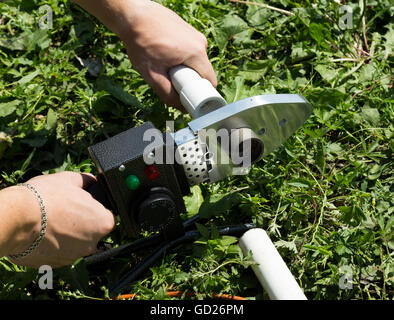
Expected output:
(132, 182)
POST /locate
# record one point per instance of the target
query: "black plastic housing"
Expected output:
(123, 155)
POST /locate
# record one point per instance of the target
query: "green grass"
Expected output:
(325, 197)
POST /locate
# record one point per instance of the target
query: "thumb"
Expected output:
(81, 180)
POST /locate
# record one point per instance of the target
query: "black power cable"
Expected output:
(133, 246)
(153, 240)
(144, 265)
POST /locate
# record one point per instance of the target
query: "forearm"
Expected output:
(117, 15)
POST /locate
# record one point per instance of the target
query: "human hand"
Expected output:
(75, 220)
(156, 40)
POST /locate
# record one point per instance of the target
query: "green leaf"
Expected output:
(389, 43)
(230, 26)
(333, 148)
(16, 282)
(366, 73)
(38, 38)
(7, 108)
(255, 70)
(181, 277)
(26, 163)
(258, 16)
(374, 172)
(319, 33)
(300, 183)
(326, 72)
(301, 52)
(321, 250)
(351, 215)
(51, 119)
(26, 79)
(12, 43)
(226, 241)
(204, 231)
(237, 90)
(290, 245)
(327, 96)
(194, 200)
(116, 90)
(371, 115)
(26, 40)
(218, 203)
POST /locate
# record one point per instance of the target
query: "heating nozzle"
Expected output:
(245, 147)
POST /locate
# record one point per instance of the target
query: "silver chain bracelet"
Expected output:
(43, 223)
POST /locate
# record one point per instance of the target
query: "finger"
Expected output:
(107, 222)
(81, 180)
(203, 67)
(161, 84)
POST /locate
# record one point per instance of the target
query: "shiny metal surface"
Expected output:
(262, 114)
(273, 118)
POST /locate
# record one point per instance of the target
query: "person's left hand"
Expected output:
(75, 220)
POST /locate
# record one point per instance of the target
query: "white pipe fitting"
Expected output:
(197, 95)
(270, 270)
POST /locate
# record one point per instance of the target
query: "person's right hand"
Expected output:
(156, 40)
(75, 220)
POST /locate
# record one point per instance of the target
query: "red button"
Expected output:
(152, 172)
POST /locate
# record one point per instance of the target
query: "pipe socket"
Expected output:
(197, 95)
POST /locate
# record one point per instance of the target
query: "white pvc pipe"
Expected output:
(197, 95)
(271, 270)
